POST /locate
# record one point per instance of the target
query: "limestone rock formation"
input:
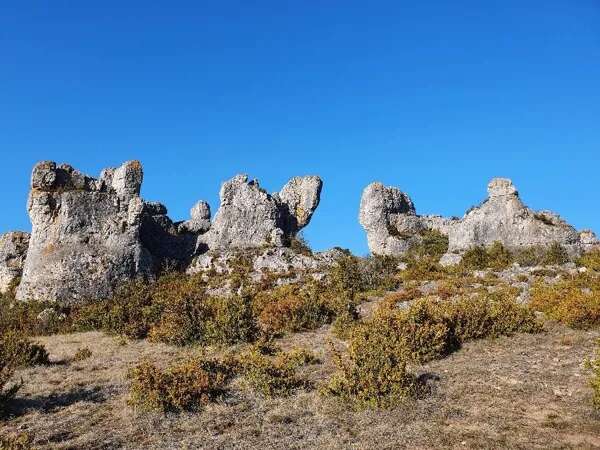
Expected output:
(89, 235)
(85, 233)
(249, 216)
(392, 225)
(13, 250)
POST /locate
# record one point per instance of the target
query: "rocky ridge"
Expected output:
(89, 235)
(389, 217)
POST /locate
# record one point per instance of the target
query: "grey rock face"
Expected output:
(249, 216)
(392, 224)
(299, 199)
(89, 235)
(13, 250)
(85, 235)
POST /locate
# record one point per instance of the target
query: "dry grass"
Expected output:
(524, 391)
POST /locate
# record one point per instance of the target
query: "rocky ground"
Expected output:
(524, 391)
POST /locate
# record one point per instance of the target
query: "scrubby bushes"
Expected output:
(184, 386)
(176, 310)
(194, 382)
(32, 317)
(374, 371)
(20, 351)
(273, 373)
(498, 257)
(16, 351)
(595, 381)
(590, 260)
(7, 391)
(574, 301)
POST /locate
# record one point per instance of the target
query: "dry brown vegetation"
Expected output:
(364, 358)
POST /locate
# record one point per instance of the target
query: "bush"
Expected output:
(590, 260)
(294, 308)
(21, 352)
(432, 244)
(574, 302)
(555, 254)
(184, 386)
(529, 256)
(374, 372)
(421, 269)
(273, 376)
(595, 381)
(495, 257)
(82, 354)
(176, 310)
(475, 258)
(7, 393)
(17, 441)
(32, 318)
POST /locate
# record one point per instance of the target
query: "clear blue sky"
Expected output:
(434, 97)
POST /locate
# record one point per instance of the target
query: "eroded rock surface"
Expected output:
(392, 224)
(89, 235)
(13, 250)
(85, 233)
(249, 216)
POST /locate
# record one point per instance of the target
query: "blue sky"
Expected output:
(434, 97)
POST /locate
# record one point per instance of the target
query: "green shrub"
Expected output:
(590, 260)
(20, 351)
(378, 273)
(499, 257)
(184, 386)
(300, 245)
(555, 254)
(32, 318)
(574, 301)
(374, 371)
(7, 393)
(529, 256)
(475, 258)
(175, 309)
(273, 376)
(495, 257)
(421, 269)
(432, 243)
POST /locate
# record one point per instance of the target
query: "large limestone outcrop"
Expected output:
(13, 250)
(85, 233)
(249, 216)
(89, 235)
(392, 224)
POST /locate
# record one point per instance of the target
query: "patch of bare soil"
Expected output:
(524, 391)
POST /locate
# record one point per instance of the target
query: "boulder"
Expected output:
(249, 216)
(13, 250)
(392, 225)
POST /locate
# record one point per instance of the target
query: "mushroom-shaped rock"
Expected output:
(382, 209)
(300, 198)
